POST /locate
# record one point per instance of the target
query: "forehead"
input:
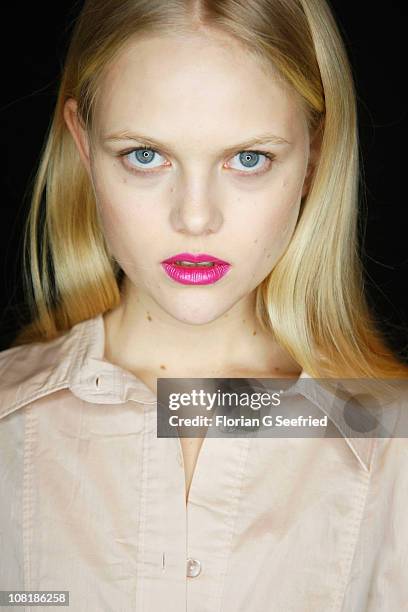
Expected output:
(204, 86)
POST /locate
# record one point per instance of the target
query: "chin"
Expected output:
(196, 314)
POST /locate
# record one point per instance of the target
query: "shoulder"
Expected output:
(30, 371)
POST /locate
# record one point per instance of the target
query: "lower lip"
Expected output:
(197, 275)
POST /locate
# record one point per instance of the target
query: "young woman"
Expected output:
(201, 183)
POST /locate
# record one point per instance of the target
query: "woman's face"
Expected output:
(197, 185)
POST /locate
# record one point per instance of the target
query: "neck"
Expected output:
(142, 338)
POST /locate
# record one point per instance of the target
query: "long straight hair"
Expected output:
(313, 301)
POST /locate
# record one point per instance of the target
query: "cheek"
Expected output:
(285, 220)
(276, 224)
(127, 221)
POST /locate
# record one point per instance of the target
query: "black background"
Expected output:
(32, 58)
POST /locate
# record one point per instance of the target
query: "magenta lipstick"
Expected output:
(188, 269)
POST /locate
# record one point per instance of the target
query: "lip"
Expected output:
(195, 275)
(195, 258)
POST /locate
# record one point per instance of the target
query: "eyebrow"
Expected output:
(256, 140)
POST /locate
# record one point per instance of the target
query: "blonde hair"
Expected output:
(313, 300)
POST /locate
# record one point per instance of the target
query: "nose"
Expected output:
(196, 206)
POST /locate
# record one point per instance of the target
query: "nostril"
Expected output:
(97, 382)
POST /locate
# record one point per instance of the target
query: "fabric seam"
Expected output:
(30, 432)
(238, 494)
(140, 578)
(354, 535)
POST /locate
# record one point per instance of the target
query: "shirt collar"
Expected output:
(333, 405)
(75, 361)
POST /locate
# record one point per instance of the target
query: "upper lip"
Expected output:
(194, 258)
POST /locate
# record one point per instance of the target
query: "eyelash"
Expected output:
(267, 154)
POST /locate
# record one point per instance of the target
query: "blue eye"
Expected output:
(250, 159)
(143, 156)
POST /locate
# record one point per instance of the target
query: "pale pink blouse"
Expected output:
(93, 502)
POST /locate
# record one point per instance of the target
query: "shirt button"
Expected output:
(193, 568)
